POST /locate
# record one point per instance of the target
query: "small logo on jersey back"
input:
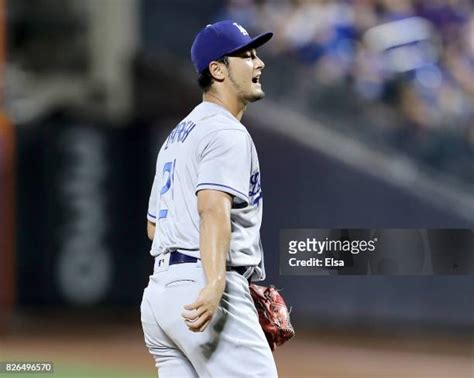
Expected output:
(180, 133)
(162, 263)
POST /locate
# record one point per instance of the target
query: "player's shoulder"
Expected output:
(212, 119)
(216, 117)
(221, 127)
(220, 122)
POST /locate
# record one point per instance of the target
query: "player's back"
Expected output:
(182, 170)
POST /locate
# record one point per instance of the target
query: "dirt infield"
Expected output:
(118, 344)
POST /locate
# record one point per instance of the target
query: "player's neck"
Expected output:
(235, 107)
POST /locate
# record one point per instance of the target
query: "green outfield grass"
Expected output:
(81, 371)
(77, 360)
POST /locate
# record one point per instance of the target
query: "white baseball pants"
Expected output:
(233, 344)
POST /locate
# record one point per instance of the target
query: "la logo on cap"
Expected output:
(241, 29)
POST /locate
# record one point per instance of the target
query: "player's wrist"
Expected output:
(218, 283)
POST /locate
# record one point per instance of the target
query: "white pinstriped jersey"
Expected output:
(209, 149)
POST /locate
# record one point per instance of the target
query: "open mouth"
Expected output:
(256, 79)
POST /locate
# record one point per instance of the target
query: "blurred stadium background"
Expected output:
(368, 123)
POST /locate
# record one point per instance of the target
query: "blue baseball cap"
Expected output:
(220, 39)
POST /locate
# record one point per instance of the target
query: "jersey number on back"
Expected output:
(168, 168)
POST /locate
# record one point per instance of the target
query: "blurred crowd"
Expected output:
(414, 57)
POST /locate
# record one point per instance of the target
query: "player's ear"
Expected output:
(217, 70)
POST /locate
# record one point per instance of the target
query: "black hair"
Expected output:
(205, 79)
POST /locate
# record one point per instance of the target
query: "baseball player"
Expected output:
(204, 217)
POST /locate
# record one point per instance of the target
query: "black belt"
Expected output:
(180, 258)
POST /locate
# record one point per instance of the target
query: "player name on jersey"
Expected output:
(180, 133)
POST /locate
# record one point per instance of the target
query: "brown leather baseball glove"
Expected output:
(273, 314)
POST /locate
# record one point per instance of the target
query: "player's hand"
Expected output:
(198, 314)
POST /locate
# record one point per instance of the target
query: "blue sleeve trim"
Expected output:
(151, 215)
(223, 186)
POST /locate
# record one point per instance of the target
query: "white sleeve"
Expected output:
(225, 164)
(152, 211)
